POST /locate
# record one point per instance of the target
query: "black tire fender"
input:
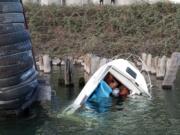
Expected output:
(15, 48)
(13, 70)
(12, 18)
(15, 80)
(16, 59)
(18, 91)
(15, 37)
(10, 7)
(10, 28)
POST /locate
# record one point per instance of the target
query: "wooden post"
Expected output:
(172, 71)
(47, 63)
(162, 68)
(68, 72)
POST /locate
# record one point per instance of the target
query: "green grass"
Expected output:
(105, 31)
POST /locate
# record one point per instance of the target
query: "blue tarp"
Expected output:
(102, 91)
(100, 99)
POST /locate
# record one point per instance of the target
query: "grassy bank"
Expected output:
(105, 30)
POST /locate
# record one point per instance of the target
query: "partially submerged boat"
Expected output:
(123, 71)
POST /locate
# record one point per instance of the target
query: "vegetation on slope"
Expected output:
(105, 30)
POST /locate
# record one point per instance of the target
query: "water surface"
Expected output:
(139, 116)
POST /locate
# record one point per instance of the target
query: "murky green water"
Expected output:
(159, 116)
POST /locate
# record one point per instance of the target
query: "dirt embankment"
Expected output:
(105, 30)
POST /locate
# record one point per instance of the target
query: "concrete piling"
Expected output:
(149, 64)
(164, 68)
(153, 66)
(144, 60)
(173, 66)
(68, 72)
(161, 68)
(56, 62)
(103, 61)
(95, 61)
(47, 63)
(41, 64)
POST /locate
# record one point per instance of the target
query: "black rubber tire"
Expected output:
(10, 28)
(15, 80)
(22, 102)
(22, 25)
(11, 104)
(15, 37)
(15, 48)
(19, 25)
(18, 91)
(12, 18)
(11, 7)
(29, 80)
(16, 59)
(13, 70)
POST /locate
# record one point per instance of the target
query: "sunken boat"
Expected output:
(97, 87)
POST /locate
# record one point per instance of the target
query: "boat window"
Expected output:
(131, 72)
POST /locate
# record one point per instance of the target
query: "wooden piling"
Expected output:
(172, 71)
(47, 63)
(68, 72)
